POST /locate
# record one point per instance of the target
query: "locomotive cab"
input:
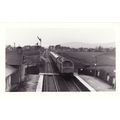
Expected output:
(67, 66)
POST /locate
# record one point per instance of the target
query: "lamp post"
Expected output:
(95, 68)
(114, 80)
(95, 63)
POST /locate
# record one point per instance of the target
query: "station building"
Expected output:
(12, 78)
(13, 68)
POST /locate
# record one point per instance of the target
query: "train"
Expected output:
(65, 66)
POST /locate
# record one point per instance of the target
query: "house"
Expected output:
(14, 57)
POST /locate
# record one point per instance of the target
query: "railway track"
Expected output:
(64, 84)
(57, 82)
(49, 83)
(70, 83)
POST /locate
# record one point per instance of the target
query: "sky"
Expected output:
(59, 33)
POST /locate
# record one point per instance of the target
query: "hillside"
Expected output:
(87, 45)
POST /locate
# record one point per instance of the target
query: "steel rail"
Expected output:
(56, 86)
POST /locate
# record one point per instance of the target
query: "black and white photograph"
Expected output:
(60, 57)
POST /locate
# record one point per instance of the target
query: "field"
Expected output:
(103, 60)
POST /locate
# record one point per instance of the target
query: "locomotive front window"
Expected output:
(67, 64)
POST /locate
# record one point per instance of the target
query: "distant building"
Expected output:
(57, 47)
(91, 50)
(9, 48)
(27, 47)
(85, 49)
(51, 48)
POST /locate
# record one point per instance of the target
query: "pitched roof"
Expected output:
(9, 70)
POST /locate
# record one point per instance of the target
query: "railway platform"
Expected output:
(96, 83)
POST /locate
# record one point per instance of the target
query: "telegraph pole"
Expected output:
(14, 44)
